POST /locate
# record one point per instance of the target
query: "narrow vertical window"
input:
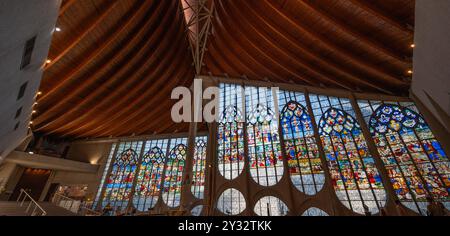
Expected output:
(173, 173)
(148, 185)
(22, 90)
(120, 181)
(265, 159)
(354, 176)
(105, 173)
(28, 52)
(231, 132)
(199, 167)
(305, 166)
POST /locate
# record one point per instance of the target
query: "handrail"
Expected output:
(32, 202)
(69, 205)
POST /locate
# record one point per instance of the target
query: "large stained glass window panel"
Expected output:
(265, 159)
(120, 181)
(231, 131)
(354, 176)
(105, 173)
(173, 175)
(148, 186)
(305, 166)
(414, 159)
(199, 167)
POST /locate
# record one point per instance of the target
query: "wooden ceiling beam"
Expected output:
(65, 7)
(344, 54)
(133, 118)
(157, 45)
(353, 32)
(80, 37)
(385, 17)
(142, 122)
(142, 93)
(106, 44)
(247, 47)
(277, 42)
(130, 45)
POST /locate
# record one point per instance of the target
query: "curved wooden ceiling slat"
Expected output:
(70, 76)
(129, 54)
(114, 78)
(80, 37)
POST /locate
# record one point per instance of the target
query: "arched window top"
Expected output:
(178, 152)
(294, 110)
(127, 157)
(391, 117)
(154, 155)
(260, 114)
(231, 114)
(336, 121)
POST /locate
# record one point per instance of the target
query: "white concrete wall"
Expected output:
(432, 58)
(19, 21)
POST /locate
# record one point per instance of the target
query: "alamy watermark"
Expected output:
(203, 105)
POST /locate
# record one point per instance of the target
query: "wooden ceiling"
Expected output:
(114, 64)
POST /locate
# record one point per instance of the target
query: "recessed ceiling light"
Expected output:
(57, 29)
(410, 71)
(31, 153)
(413, 45)
(48, 61)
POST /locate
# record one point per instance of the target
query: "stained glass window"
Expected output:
(148, 186)
(231, 132)
(197, 210)
(305, 166)
(271, 206)
(198, 170)
(231, 202)
(120, 181)
(265, 159)
(354, 176)
(313, 211)
(173, 174)
(105, 173)
(414, 159)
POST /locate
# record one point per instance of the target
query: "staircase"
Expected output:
(14, 209)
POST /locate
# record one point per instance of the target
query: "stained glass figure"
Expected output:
(265, 159)
(271, 206)
(148, 186)
(414, 159)
(313, 211)
(305, 166)
(198, 170)
(231, 132)
(354, 176)
(231, 202)
(120, 181)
